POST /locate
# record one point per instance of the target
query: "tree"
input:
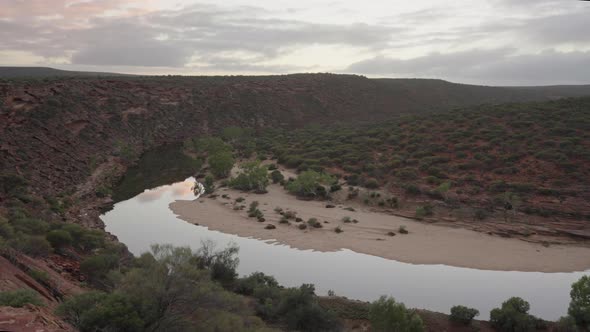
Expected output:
(387, 315)
(221, 163)
(253, 176)
(209, 184)
(579, 307)
(309, 184)
(211, 145)
(97, 267)
(167, 289)
(513, 316)
(463, 315)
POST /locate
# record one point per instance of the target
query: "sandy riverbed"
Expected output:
(425, 244)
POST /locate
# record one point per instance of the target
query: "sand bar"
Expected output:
(425, 244)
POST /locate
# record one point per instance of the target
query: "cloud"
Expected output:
(170, 38)
(452, 40)
(496, 66)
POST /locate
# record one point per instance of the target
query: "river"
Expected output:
(146, 219)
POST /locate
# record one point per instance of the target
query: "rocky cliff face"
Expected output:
(54, 132)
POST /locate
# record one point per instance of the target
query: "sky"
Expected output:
(489, 42)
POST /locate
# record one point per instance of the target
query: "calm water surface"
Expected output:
(146, 219)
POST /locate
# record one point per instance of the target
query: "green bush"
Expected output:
(372, 184)
(403, 230)
(252, 177)
(221, 163)
(313, 222)
(566, 324)
(249, 284)
(463, 315)
(309, 184)
(59, 238)
(424, 211)
(40, 276)
(97, 267)
(209, 184)
(276, 176)
(579, 307)
(97, 311)
(513, 316)
(36, 245)
(387, 315)
(19, 298)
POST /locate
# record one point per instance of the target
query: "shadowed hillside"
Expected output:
(56, 132)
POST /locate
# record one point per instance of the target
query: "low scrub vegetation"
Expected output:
(386, 314)
(467, 155)
(463, 315)
(19, 298)
(252, 177)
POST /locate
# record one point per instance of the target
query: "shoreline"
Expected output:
(425, 243)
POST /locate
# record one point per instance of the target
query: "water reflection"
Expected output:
(146, 219)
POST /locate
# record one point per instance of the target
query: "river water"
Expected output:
(146, 219)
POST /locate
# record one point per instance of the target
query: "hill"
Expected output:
(55, 132)
(46, 72)
(526, 163)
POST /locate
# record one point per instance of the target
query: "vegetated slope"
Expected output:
(527, 162)
(55, 132)
(46, 72)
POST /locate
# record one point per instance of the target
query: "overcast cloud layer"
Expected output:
(494, 42)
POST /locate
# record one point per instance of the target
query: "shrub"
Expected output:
(35, 245)
(372, 184)
(40, 276)
(301, 311)
(313, 222)
(221, 163)
(59, 238)
(302, 226)
(97, 311)
(335, 187)
(252, 177)
(387, 315)
(402, 230)
(463, 315)
(338, 230)
(247, 285)
(424, 211)
(566, 324)
(90, 240)
(209, 184)
(255, 214)
(480, 214)
(96, 267)
(309, 184)
(290, 214)
(513, 316)
(346, 220)
(276, 176)
(19, 298)
(579, 307)
(412, 189)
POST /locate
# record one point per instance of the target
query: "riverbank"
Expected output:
(425, 243)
